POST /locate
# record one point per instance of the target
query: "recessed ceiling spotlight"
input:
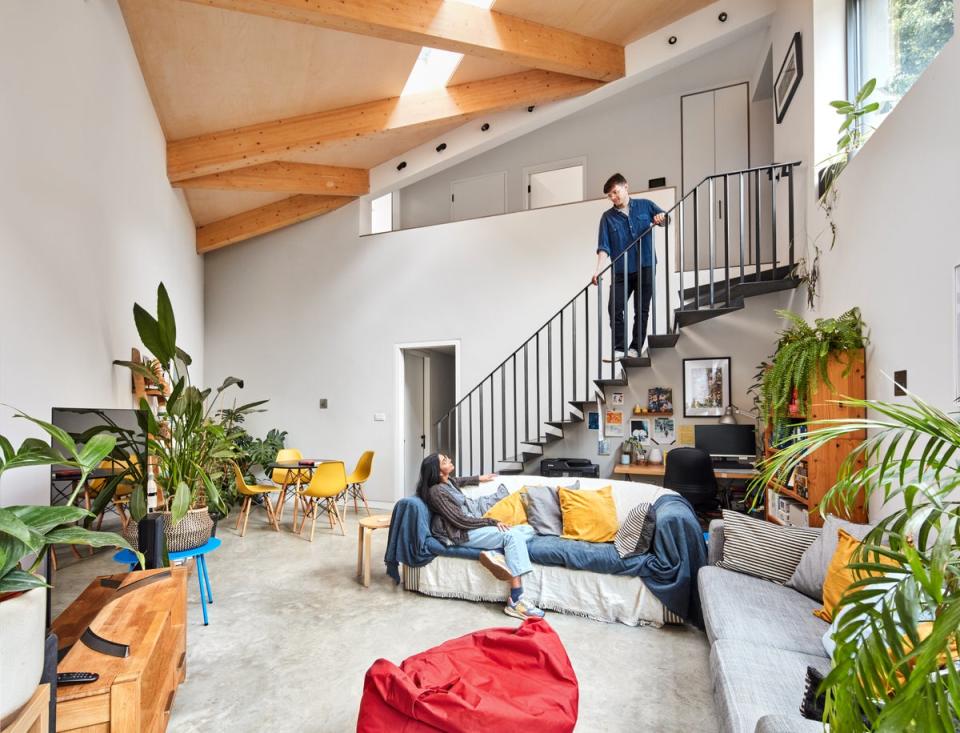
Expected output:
(441, 147)
(484, 127)
(722, 17)
(672, 40)
(531, 108)
(401, 165)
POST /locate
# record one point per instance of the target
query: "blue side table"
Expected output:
(206, 594)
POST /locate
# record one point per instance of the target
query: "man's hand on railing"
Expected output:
(660, 219)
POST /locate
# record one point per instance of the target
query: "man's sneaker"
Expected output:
(522, 609)
(496, 564)
(632, 354)
(617, 356)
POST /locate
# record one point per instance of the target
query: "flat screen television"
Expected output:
(738, 442)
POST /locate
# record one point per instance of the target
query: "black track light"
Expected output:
(484, 127)
(401, 165)
(531, 108)
(672, 40)
(722, 17)
(441, 147)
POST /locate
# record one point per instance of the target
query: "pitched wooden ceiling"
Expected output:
(274, 110)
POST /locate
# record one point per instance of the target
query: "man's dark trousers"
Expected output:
(641, 306)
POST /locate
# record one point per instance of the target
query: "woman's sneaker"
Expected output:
(496, 564)
(522, 609)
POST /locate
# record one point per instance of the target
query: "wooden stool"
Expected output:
(367, 526)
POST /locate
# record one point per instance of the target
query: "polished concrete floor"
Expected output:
(292, 633)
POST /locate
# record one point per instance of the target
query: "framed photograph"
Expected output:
(613, 423)
(664, 431)
(660, 399)
(603, 447)
(706, 386)
(593, 421)
(685, 434)
(617, 398)
(640, 428)
(791, 72)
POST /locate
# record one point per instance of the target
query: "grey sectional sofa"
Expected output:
(763, 636)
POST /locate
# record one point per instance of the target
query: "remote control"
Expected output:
(76, 678)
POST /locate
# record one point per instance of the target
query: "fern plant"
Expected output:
(803, 354)
(895, 664)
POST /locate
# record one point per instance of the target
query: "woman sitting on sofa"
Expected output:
(449, 524)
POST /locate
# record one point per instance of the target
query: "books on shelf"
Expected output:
(786, 510)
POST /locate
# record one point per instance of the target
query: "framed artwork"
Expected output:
(603, 447)
(640, 428)
(593, 421)
(685, 434)
(614, 423)
(791, 72)
(617, 398)
(706, 386)
(664, 431)
(660, 399)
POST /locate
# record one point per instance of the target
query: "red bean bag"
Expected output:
(491, 680)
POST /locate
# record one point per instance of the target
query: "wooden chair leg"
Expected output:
(247, 517)
(243, 504)
(270, 513)
(363, 498)
(296, 500)
(360, 529)
(313, 525)
(336, 513)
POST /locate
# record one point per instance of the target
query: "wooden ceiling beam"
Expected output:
(285, 177)
(450, 26)
(246, 146)
(264, 219)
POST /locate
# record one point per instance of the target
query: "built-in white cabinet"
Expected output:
(484, 195)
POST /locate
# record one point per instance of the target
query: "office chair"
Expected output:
(689, 472)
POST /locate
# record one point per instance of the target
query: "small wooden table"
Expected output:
(365, 535)
(657, 469)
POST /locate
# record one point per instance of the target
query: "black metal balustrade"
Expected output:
(576, 369)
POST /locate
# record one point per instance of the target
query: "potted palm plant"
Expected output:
(26, 535)
(188, 444)
(895, 665)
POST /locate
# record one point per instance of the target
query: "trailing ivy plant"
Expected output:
(803, 354)
(895, 664)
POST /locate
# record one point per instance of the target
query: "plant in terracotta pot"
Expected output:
(188, 444)
(26, 535)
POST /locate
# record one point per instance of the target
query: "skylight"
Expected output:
(434, 67)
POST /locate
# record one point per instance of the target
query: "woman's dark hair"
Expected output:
(429, 474)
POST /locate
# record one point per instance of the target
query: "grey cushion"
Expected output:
(542, 505)
(752, 681)
(761, 548)
(715, 542)
(787, 724)
(812, 571)
(739, 607)
(636, 533)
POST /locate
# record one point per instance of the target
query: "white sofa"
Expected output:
(599, 596)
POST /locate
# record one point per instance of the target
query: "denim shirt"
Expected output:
(618, 230)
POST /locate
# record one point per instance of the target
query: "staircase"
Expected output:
(708, 264)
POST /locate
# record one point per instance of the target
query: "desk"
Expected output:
(651, 469)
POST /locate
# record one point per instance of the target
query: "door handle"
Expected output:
(423, 442)
(719, 209)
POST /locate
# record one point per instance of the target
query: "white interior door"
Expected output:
(415, 415)
(559, 186)
(699, 161)
(484, 195)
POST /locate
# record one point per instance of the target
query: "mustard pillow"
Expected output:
(589, 515)
(509, 510)
(840, 576)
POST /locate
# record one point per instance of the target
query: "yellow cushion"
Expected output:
(509, 510)
(840, 576)
(589, 515)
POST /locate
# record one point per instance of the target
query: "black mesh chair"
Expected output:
(689, 472)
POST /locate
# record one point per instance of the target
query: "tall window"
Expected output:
(893, 41)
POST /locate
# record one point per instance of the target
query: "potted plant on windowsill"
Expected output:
(187, 443)
(26, 535)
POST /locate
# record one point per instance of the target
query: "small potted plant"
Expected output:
(635, 447)
(26, 535)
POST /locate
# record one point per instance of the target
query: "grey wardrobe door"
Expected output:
(732, 146)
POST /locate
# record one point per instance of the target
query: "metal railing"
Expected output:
(572, 370)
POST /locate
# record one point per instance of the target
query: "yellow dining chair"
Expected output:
(286, 477)
(248, 492)
(328, 481)
(355, 482)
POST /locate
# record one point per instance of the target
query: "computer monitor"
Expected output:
(727, 441)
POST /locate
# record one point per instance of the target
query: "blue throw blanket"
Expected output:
(669, 570)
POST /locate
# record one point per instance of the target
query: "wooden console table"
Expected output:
(134, 693)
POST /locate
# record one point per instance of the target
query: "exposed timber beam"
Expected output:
(281, 176)
(450, 26)
(264, 219)
(261, 143)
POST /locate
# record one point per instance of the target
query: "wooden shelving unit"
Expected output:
(821, 467)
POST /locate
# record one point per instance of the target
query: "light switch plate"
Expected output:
(323, 403)
(379, 417)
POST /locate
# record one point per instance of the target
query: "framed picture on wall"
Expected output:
(791, 72)
(614, 423)
(640, 428)
(706, 386)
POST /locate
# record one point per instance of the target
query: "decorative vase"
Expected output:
(625, 459)
(655, 457)
(640, 459)
(192, 531)
(22, 634)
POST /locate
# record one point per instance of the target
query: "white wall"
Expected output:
(636, 133)
(88, 222)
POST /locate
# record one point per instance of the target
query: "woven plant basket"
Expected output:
(192, 531)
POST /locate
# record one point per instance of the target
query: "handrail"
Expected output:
(612, 264)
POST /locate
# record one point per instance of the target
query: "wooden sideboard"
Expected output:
(134, 693)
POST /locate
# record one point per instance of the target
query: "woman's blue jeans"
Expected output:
(513, 542)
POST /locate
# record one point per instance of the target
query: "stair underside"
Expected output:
(686, 317)
(777, 279)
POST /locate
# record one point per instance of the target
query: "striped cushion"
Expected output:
(766, 550)
(636, 533)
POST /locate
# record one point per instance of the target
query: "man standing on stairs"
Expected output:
(620, 226)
